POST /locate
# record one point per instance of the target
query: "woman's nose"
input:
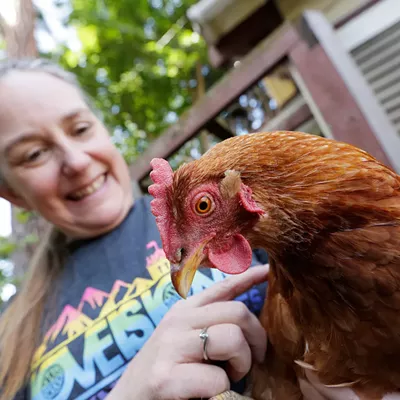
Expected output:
(75, 161)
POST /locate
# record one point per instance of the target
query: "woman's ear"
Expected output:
(8, 194)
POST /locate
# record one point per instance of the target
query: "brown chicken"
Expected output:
(328, 214)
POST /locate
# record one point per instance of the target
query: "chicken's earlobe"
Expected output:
(230, 185)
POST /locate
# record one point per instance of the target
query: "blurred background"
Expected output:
(174, 77)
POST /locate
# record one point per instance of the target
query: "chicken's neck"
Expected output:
(296, 241)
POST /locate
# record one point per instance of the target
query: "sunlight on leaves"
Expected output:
(88, 37)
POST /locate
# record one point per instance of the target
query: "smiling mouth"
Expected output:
(88, 190)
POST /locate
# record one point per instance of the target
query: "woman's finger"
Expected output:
(196, 381)
(234, 312)
(231, 347)
(230, 287)
(226, 342)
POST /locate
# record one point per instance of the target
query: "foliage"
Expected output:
(7, 247)
(137, 62)
(23, 216)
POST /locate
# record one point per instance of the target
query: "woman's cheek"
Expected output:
(41, 185)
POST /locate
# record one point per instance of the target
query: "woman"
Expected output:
(98, 289)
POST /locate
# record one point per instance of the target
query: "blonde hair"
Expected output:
(20, 324)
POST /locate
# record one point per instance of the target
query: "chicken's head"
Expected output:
(202, 219)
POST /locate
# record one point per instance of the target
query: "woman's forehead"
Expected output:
(31, 98)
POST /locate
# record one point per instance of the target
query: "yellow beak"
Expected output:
(182, 276)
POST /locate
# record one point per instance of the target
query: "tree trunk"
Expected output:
(18, 29)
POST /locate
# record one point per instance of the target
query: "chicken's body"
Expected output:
(330, 222)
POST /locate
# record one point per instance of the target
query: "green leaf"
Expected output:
(23, 216)
(7, 247)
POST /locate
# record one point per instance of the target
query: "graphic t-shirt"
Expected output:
(113, 292)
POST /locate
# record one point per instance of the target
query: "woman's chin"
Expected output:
(98, 221)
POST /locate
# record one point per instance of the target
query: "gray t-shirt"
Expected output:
(113, 292)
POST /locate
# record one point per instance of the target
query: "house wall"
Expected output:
(373, 40)
(332, 9)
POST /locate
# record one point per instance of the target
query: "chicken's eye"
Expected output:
(203, 205)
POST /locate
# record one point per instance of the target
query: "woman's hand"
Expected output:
(171, 366)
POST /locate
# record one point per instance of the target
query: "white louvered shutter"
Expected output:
(379, 60)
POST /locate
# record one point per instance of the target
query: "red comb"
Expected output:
(162, 176)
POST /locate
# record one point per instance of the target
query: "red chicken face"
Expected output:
(202, 222)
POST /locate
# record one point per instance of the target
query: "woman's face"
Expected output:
(57, 157)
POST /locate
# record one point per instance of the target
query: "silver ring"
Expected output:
(204, 337)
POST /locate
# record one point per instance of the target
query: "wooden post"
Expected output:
(252, 68)
(200, 91)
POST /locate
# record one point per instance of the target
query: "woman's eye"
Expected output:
(81, 128)
(35, 155)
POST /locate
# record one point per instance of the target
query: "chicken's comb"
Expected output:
(162, 176)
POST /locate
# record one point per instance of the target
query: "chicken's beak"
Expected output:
(182, 275)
